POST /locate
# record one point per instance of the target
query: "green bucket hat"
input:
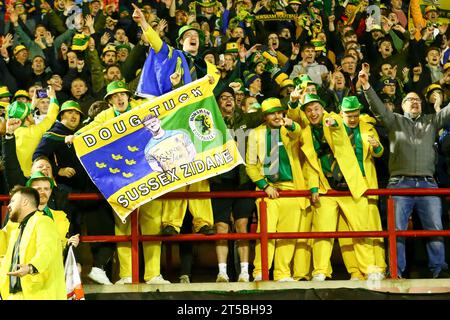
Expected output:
(350, 103)
(18, 110)
(38, 175)
(116, 87)
(271, 105)
(70, 105)
(309, 97)
(186, 28)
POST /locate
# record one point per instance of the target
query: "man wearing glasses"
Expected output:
(411, 165)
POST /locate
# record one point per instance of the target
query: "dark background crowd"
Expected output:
(71, 50)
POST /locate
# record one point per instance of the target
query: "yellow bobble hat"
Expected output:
(206, 3)
(109, 47)
(38, 175)
(21, 93)
(18, 110)
(70, 105)
(272, 105)
(287, 83)
(80, 42)
(116, 87)
(430, 8)
(4, 92)
(231, 47)
(19, 48)
(431, 88)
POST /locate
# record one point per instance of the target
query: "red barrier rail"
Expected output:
(264, 236)
(391, 234)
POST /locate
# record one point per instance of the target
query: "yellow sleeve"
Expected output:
(47, 244)
(418, 20)
(154, 39)
(311, 176)
(253, 165)
(296, 133)
(3, 242)
(48, 121)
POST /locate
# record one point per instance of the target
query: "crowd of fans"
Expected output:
(66, 63)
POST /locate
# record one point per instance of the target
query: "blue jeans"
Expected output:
(429, 210)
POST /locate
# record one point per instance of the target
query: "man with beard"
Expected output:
(412, 165)
(33, 265)
(109, 55)
(273, 164)
(101, 79)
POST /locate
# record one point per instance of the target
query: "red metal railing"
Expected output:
(391, 233)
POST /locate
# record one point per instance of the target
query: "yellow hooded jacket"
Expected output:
(28, 138)
(256, 153)
(41, 247)
(342, 149)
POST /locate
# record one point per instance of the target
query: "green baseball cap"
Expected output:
(38, 175)
(350, 103)
(309, 98)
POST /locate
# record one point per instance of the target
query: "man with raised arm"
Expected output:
(412, 159)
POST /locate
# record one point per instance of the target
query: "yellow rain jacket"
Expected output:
(41, 247)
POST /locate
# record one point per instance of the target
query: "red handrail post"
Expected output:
(134, 247)
(264, 239)
(392, 237)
